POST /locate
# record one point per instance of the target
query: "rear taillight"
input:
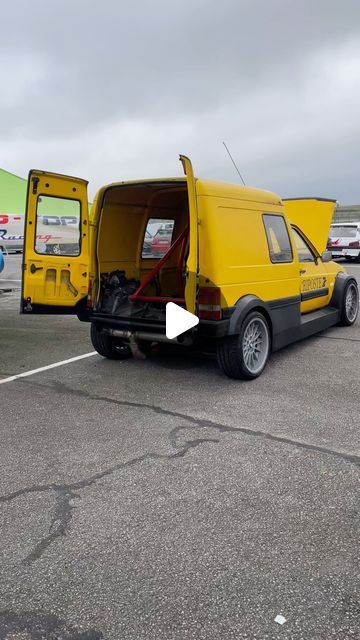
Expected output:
(208, 303)
(355, 244)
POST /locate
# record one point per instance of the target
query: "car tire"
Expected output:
(244, 356)
(350, 304)
(107, 346)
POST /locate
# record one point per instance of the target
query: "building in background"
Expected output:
(347, 213)
(12, 193)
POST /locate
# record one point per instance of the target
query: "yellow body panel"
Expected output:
(234, 254)
(55, 280)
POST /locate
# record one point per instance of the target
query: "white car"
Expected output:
(344, 240)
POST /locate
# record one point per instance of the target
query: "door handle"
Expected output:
(302, 271)
(34, 268)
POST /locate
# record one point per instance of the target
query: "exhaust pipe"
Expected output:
(185, 340)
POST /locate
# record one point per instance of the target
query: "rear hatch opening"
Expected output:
(142, 248)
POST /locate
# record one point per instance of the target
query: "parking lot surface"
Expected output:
(158, 499)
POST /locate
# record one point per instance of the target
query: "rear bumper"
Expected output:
(213, 328)
(205, 329)
(344, 252)
(128, 324)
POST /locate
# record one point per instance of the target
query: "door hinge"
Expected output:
(27, 305)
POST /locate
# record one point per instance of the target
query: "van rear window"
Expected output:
(158, 238)
(58, 222)
(278, 238)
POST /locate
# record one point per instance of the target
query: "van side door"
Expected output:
(315, 279)
(56, 244)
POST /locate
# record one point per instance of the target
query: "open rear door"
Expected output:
(56, 244)
(192, 265)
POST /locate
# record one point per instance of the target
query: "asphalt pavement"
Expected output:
(158, 499)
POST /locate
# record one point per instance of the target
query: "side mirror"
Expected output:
(326, 256)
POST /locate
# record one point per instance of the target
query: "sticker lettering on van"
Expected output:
(312, 284)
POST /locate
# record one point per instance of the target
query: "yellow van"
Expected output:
(251, 266)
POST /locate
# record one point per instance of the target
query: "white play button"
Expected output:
(178, 320)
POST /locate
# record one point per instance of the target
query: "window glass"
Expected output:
(304, 252)
(158, 237)
(278, 238)
(57, 226)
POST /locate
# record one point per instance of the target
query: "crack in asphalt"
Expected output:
(37, 624)
(202, 423)
(339, 338)
(65, 494)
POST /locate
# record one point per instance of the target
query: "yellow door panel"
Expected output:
(314, 287)
(316, 284)
(192, 265)
(56, 244)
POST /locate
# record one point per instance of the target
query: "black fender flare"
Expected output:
(243, 307)
(341, 280)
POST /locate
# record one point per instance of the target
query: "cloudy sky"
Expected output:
(115, 89)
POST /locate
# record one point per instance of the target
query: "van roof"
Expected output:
(237, 191)
(209, 188)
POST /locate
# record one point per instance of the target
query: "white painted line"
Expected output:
(25, 374)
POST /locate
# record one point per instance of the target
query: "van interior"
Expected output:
(142, 248)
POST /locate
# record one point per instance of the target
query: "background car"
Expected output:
(161, 242)
(344, 240)
(2, 263)
(146, 250)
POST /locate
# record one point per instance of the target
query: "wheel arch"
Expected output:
(243, 307)
(341, 281)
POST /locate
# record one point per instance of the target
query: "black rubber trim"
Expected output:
(341, 281)
(51, 310)
(227, 312)
(129, 323)
(47, 310)
(213, 328)
(279, 303)
(318, 293)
